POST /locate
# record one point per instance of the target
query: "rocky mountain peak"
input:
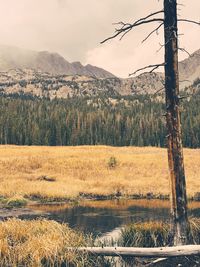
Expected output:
(53, 63)
(189, 69)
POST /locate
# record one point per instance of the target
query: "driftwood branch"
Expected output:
(178, 251)
(152, 67)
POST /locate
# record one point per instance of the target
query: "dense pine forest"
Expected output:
(119, 121)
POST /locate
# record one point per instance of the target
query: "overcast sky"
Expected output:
(74, 28)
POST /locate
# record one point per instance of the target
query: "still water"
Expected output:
(101, 217)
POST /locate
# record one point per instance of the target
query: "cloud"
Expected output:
(75, 29)
(124, 57)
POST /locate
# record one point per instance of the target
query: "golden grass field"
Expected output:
(84, 169)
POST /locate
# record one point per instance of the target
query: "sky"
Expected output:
(75, 28)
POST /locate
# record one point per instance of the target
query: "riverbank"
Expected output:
(62, 174)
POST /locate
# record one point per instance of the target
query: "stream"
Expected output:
(107, 217)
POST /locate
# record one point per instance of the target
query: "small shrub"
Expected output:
(112, 163)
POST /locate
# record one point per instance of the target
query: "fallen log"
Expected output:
(187, 250)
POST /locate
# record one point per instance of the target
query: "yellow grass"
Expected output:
(85, 169)
(31, 243)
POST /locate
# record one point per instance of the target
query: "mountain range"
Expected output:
(18, 58)
(45, 74)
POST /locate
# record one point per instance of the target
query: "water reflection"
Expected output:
(99, 217)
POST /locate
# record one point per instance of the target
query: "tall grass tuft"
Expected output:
(148, 234)
(16, 201)
(154, 234)
(195, 229)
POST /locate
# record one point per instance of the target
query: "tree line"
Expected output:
(120, 121)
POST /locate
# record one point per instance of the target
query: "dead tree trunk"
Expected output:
(180, 225)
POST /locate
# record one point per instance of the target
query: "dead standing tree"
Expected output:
(175, 152)
(168, 18)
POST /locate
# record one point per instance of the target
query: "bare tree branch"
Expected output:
(183, 97)
(190, 21)
(155, 30)
(163, 45)
(182, 81)
(151, 15)
(126, 27)
(152, 67)
(159, 90)
(185, 51)
(178, 4)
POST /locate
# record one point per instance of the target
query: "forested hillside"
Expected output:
(119, 121)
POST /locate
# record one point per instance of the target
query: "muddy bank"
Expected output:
(119, 195)
(6, 213)
(82, 196)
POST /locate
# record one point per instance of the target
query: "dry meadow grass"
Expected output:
(40, 243)
(85, 169)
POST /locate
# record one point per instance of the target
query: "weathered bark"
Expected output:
(180, 225)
